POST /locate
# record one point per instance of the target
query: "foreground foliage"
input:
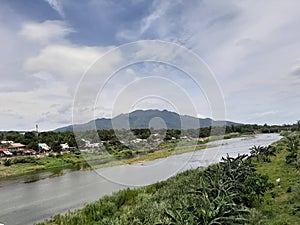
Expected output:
(221, 194)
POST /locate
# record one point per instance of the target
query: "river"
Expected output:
(23, 203)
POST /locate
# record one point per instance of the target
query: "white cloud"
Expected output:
(250, 49)
(254, 53)
(48, 70)
(63, 61)
(157, 13)
(30, 107)
(57, 6)
(46, 32)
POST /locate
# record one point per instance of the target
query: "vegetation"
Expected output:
(281, 205)
(21, 166)
(224, 193)
(112, 137)
(241, 190)
(31, 139)
(263, 152)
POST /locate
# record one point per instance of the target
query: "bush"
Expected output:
(291, 158)
(25, 160)
(7, 162)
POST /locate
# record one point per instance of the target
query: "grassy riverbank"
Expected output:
(224, 193)
(23, 166)
(281, 205)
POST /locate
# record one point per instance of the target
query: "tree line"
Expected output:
(113, 137)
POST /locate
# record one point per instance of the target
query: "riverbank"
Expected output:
(30, 165)
(281, 205)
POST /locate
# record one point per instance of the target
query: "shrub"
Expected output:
(7, 162)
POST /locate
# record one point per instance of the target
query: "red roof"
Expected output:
(3, 149)
(16, 145)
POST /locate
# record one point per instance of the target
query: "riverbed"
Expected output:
(24, 203)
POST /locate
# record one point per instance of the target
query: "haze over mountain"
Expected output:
(156, 119)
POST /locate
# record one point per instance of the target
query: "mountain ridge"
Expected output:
(141, 119)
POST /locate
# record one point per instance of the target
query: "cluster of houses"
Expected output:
(18, 149)
(14, 149)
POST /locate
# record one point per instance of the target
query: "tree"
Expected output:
(56, 146)
(33, 145)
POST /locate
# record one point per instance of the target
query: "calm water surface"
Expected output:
(23, 203)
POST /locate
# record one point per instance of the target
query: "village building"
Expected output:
(4, 152)
(29, 152)
(16, 148)
(44, 147)
(7, 142)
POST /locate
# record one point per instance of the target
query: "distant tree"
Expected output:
(56, 146)
(29, 135)
(33, 145)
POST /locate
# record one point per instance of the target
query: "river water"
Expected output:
(23, 203)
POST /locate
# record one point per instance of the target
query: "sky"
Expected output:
(48, 47)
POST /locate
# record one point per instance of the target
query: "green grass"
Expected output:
(280, 206)
(41, 164)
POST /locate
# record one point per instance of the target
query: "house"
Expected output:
(7, 142)
(29, 152)
(16, 148)
(5, 152)
(44, 146)
(65, 146)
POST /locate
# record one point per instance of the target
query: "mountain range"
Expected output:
(156, 119)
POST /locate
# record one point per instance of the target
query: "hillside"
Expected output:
(146, 119)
